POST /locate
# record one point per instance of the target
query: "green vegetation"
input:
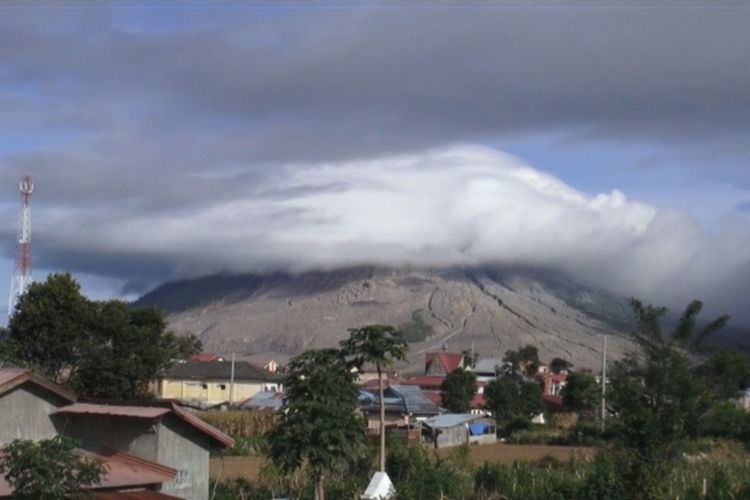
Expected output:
(320, 427)
(50, 469)
(458, 389)
(416, 330)
(525, 360)
(380, 345)
(102, 349)
(513, 401)
(581, 393)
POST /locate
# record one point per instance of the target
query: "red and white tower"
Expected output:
(21, 278)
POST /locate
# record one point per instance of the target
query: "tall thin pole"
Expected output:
(231, 383)
(604, 383)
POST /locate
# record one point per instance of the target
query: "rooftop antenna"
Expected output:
(21, 278)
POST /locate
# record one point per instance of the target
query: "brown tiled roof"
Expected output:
(10, 378)
(219, 370)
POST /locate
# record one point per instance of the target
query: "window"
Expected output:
(223, 387)
(182, 480)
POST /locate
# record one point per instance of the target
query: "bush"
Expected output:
(241, 423)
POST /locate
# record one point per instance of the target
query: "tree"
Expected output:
(103, 349)
(127, 349)
(581, 392)
(380, 345)
(50, 469)
(559, 364)
(458, 389)
(525, 359)
(320, 426)
(47, 325)
(662, 395)
(512, 399)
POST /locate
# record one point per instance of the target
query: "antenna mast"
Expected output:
(21, 278)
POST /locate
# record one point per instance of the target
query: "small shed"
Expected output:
(455, 429)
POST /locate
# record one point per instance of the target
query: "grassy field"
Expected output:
(249, 467)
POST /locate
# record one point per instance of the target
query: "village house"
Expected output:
(456, 429)
(404, 404)
(214, 383)
(442, 363)
(161, 451)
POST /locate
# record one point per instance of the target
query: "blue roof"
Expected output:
(265, 399)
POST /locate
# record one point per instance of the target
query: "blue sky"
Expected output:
(143, 121)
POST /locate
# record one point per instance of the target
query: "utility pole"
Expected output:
(231, 383)
(21, 278)
(604, 382)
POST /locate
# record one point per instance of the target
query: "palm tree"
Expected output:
(649, 334)
(380, 345)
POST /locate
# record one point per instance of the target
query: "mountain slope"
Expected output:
(491, 309)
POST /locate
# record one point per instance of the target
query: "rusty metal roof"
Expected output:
(10, 378)
(151, 413)
(148, 412)
(202, 426)
(123, 470)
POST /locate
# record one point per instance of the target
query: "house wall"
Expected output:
(453, 436)
(134, 436)
(391, 419)
(187, 451)
(25, 414)
(213, 391)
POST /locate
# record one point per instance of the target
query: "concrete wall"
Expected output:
(391, 419)
(25, 414)
(211, 391)
(187, 451)
(453, 436)
(135, 436)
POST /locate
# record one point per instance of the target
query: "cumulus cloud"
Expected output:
(458, 205)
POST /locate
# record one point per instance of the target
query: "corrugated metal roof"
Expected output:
(450, 420)
(202, 426)
(122, 470)
(126, 470)
(219, 370)
(487, 365)
(265, 400)
(11, 378)
(149, 412)
(415, 400)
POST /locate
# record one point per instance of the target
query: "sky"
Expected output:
(173, 139)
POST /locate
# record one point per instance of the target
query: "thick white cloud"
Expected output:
(459, 205)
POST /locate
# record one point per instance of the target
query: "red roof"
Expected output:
(449, 360)
(425, 381)
(206, 357)
(435, 397)
(122, 470)
(478, 402)
(10, 378)
(150, 413)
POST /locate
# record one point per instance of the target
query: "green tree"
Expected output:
(661, 395)
(581, 392)
(458, 389)
(524, 360)
(380, 345)
(559, 364)
(47, 325)
(102, 349)
(127, 349)
(511, 399)
(50, 469)
(320, 426)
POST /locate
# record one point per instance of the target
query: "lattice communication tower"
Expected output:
(21, 278)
